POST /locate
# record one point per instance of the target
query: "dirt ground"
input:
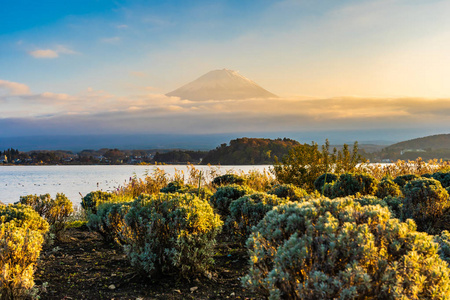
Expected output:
(85, 267)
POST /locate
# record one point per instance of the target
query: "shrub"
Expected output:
(91, 201)
(352, 184)
(247, 211)
(21, 238)
(224, 195)
(323, 179)
(176, 186)
(38, 203)
(404, 179)
(443, 239)
(56, 211)
(425, 201)
(288, 191)
(395, 205)
(330, 249)
(109, 220)
(203, 193)
(305, 163)
(443, 178)
(19, 250)
(387, 187)
(58, 214)
(228, 179)
(171, 232)
(23, 216)
(369, 200)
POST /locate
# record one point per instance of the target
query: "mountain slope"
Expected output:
(221, 85)
(439, 141)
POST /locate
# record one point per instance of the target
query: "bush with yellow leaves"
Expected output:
(56, 211)
(21, 238)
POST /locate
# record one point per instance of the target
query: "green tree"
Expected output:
(305, 163)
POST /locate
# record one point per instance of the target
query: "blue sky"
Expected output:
(92, 60)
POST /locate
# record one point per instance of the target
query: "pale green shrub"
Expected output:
(228, 179)
(369, 200)
(91, 201)
(352, 184)
(109, 221)
(443, 177)
(248, 210)
(395, 205)
(338, 249)
(170, 232)
(177, 186)
(402, 180)
(288, 191)
(203, 193)
(323, 179)
(224, 195)
(443, 239)
(425, 202)
(387, 187)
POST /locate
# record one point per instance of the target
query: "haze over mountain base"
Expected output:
(200, 141)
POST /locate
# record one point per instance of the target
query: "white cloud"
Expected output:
(158, 111)
(13, 88)
(44, 53)
(52, 53)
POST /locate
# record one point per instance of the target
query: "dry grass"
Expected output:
(402, 167)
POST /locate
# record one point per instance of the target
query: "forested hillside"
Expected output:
(179, 156)
(429, 147)
(249, 151)
(438, 141)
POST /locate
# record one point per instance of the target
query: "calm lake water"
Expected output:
(16, 181)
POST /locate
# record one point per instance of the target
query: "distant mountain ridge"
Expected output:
(221, 85)
(438, 141)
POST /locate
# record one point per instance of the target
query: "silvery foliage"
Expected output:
(330, 249)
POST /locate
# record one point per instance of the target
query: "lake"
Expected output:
(16, 181)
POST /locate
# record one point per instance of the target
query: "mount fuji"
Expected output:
(221, 85)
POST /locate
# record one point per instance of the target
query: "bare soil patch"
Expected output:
(85, 267)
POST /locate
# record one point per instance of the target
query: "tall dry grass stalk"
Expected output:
(153, 182)
(259, 181)
(402, 167)
(262, 181)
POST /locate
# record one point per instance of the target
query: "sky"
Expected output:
(98, 66)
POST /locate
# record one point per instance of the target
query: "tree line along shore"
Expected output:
(242, 151)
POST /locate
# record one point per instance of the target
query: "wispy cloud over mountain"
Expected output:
(104, 112)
